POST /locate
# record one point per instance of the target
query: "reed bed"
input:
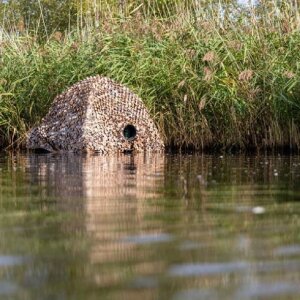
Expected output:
(213, 77)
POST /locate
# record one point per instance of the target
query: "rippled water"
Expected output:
(149, 227)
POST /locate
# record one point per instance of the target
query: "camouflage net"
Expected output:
(96, 114)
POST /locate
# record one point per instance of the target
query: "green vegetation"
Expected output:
(213, 75)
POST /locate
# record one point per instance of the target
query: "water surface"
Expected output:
(149, 227)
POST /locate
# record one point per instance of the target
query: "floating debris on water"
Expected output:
(258, 210)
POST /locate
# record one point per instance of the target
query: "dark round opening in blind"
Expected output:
(129, 132)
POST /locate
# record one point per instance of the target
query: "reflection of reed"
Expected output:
(206, 207)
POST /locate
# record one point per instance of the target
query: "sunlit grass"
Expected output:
(211, 78)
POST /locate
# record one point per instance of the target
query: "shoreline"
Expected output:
(278, 150)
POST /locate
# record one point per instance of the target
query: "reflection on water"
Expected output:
(149, 226)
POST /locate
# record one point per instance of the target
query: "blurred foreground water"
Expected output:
(149, 227)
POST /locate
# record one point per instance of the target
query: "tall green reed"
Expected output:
(212, 76)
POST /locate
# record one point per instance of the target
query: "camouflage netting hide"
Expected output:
(96, 114)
